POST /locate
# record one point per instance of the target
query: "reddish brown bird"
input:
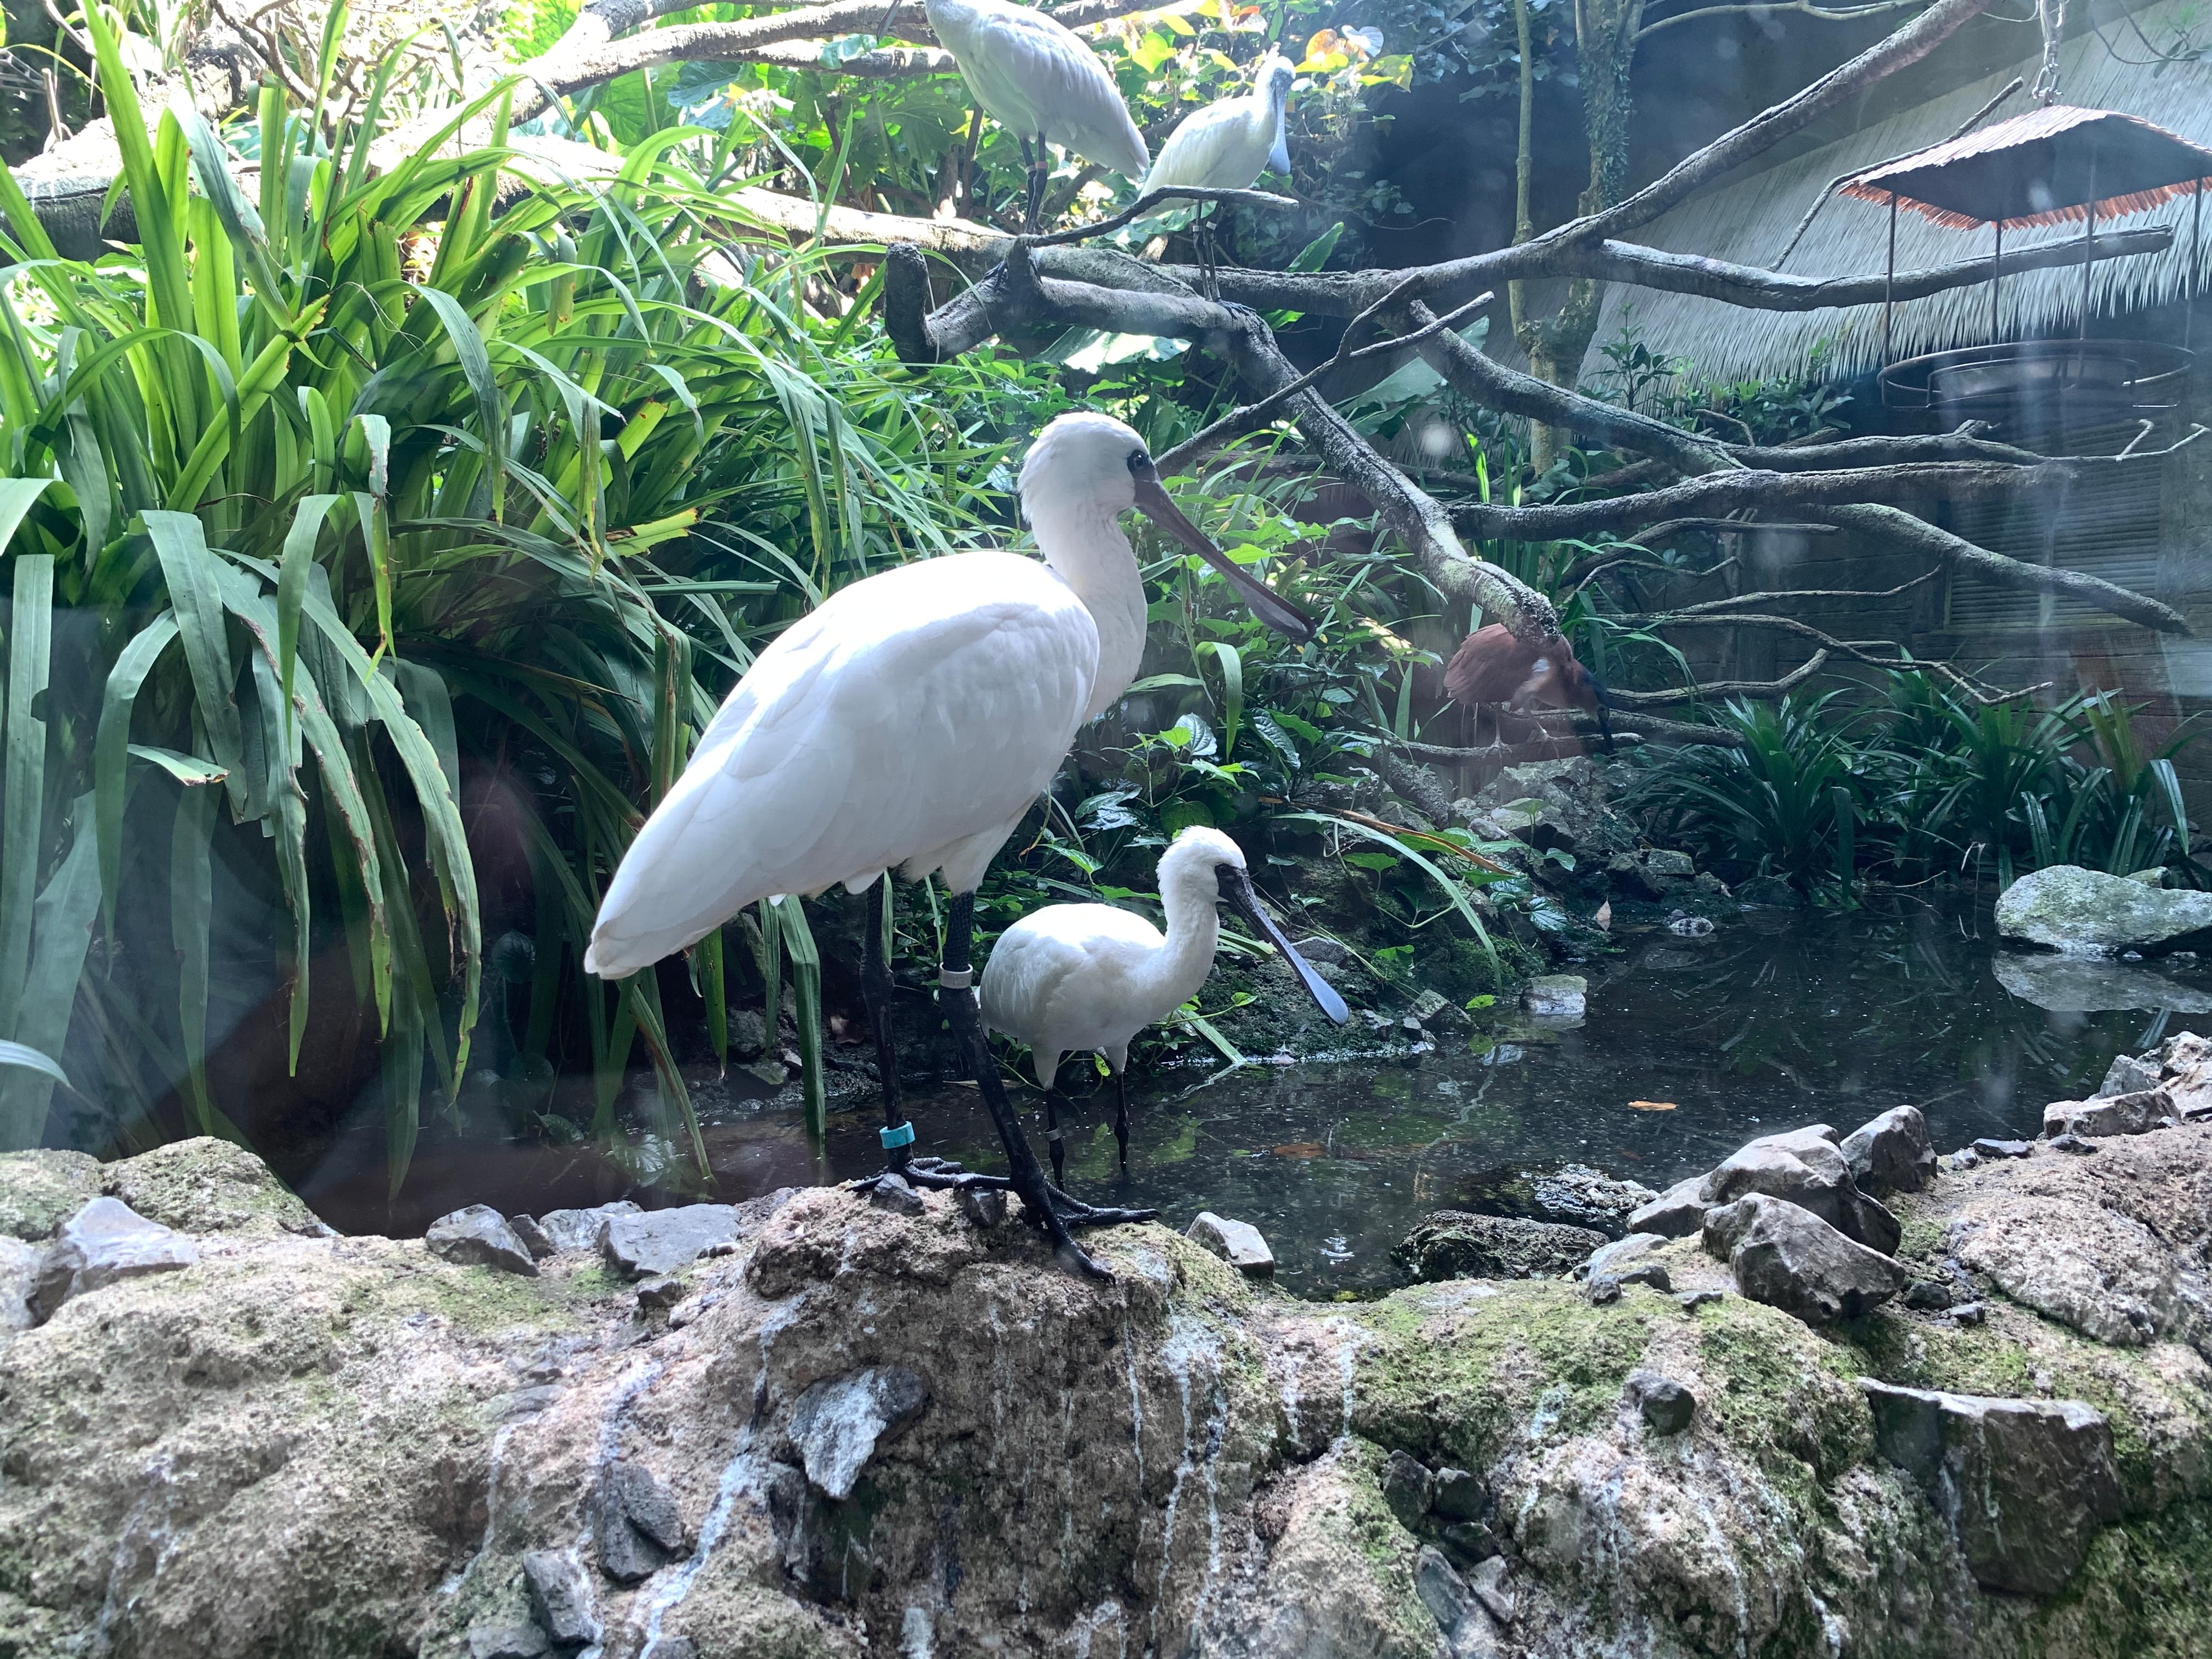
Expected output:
(1494, 666)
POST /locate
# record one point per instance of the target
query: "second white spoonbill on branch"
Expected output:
(1230, 142)
(1076, 977)
(909, 722)
(1035, 78)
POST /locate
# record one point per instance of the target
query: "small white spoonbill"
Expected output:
(1230, 142)
(909, 722)
(1076, 977)
(1035, 78)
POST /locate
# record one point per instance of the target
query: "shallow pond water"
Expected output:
(1774, 1020)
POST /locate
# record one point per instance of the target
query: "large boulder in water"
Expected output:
(2086, 913)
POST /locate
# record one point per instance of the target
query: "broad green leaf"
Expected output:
(292, 588)
(191, 919)
(30, 630)
(193, 576)
(62, 930)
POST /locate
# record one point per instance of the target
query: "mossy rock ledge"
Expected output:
(304, 1445)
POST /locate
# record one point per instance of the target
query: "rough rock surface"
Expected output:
(1807, 1168)
(1784, 1255)
(582, 1230)
(41, 1189)
(1453, 1244)
(665, 1241)
(480, 1236)
(1890, 1154)
(102, 1244)
(2026, 1484)
(2088, 985)
(346, 1447)
(1576, 1195)
(1239, 1243)
(2064, 907)
(1556, 996)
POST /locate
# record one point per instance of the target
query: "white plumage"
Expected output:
(1230, 142)
(1072, 978)
(1036, 78)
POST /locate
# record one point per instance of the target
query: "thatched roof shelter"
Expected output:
(1750, 219)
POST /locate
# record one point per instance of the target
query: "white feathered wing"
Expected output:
(910, 720)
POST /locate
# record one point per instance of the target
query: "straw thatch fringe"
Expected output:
(1750, 220)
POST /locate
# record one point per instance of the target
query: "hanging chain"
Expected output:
(2051, 15)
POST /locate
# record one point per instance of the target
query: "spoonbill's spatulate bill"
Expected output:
(907, 724)
(1036, 78)
(1072, 978)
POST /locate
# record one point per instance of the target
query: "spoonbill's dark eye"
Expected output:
(1139, 460)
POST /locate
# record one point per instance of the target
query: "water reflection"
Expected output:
(1689, 1046)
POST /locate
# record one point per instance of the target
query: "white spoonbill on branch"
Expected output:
(1228, 144)
(1036, 78)
(908, 723)
(1075, 977)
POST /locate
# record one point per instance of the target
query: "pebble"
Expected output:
(1928, 1295)
(560, 1597)
(1990, 1146)
(657, 1242)
(1970, 1313)
(534, 1237)
(104, 1242)
(1694, 1300)
(659, 1294)
(479, 1237)
(891, 1192)
(1666, 1404)
(1237, 1242)
(2072, 1143)
(984, 1206)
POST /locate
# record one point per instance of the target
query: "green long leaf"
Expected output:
(30, 636)
(191, 919)
(1232, 690)
(62, 926)
(194, 579)
(1451, 889)
(292, 588)
(476, 368)
(112, 749)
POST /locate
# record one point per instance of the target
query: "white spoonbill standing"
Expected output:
(908, 722)
(1232, 140)
(1075, 977)
(1036, 78)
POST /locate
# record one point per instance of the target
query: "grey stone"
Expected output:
(1694, 1300)
(103, 1242)
(1601, 1290)
(1927, 1296)
(2109, 1114)
(1408, 1488)
(561, 1599)
(1890, 1154)
(582, 1230)
(507, 1641)
(533, 1237)
(1969, 1313)
(2065, 907)
(1769, 892)
(1784, 1255)
(663, 1241)
(837, 1422)
(1807, 1169)
(984, 1206)
(1624, 1254)
(1688, 927)
(1576, 1195)
(2128, 1073)
(19, 1272)
(2154, 876)
(1316, 948)
(1991, 1146)
(1556, 996)
(635, 1525)
(892, 1193)
(1237, 1242)
(1666, 1404)
(1649, 873)
(669, 1647)
(2090, 985)
(748, 1029)
(1464, 1622)
(2024, 1484)
(659, 1295)
(2072, 1143)
(1675, 1214)
(1455, 1244)
(478, 1236)
(1458, 1495)
(1487, 1581)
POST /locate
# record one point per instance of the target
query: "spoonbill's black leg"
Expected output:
(1122, 1117)
(877, 987)
(1040, 166)
(1053, 1143)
